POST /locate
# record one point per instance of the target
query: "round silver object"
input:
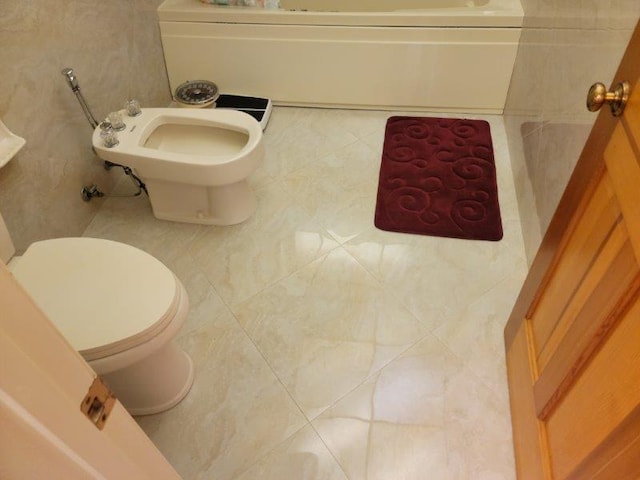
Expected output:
(197, 93)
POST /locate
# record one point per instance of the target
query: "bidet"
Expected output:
(195, 162)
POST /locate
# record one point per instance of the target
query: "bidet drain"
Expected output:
(197, 93)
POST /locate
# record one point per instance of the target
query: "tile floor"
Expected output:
(325, 348)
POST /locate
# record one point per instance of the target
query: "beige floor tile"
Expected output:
(339, 190)
(330, 320)
(236, 412)
(476, 334)
(434, 277)
(311, 136)
(423, 416)
(242, 260)
(302, 457)
(130, 220)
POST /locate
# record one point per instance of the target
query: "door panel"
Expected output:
(591, 324)
(599, 400)
(529, 437)
(623, 163)
(615, 457)
(573, 339)
(552, 316)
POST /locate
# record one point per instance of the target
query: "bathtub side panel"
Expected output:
(376, 67)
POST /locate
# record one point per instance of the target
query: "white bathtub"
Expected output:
(447, 55)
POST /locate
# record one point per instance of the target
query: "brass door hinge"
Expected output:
(98, 403)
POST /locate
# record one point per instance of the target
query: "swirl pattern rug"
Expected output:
(438, 178)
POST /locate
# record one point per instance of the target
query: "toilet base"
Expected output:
(155, 384)
(213, 205)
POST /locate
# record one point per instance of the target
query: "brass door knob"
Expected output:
(616, 98)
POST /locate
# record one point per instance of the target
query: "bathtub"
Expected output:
(439, 55)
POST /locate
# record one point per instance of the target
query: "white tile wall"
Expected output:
(564, 48)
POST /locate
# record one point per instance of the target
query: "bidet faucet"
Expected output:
(72, 81)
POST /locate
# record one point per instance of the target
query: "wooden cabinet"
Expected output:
(573, 339)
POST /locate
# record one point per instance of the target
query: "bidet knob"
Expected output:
(132, 107)
(110, 138)
(115, 118)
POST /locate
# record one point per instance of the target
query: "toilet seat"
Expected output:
(129, 295)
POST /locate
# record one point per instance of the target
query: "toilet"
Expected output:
(118, 306)
(195, 162)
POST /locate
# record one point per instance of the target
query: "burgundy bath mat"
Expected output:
(438, 178)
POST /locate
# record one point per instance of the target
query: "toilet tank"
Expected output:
(6, 245)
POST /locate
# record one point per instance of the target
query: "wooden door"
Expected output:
(573, 338)
(43, 380)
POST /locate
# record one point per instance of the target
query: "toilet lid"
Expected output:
(98, 292)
